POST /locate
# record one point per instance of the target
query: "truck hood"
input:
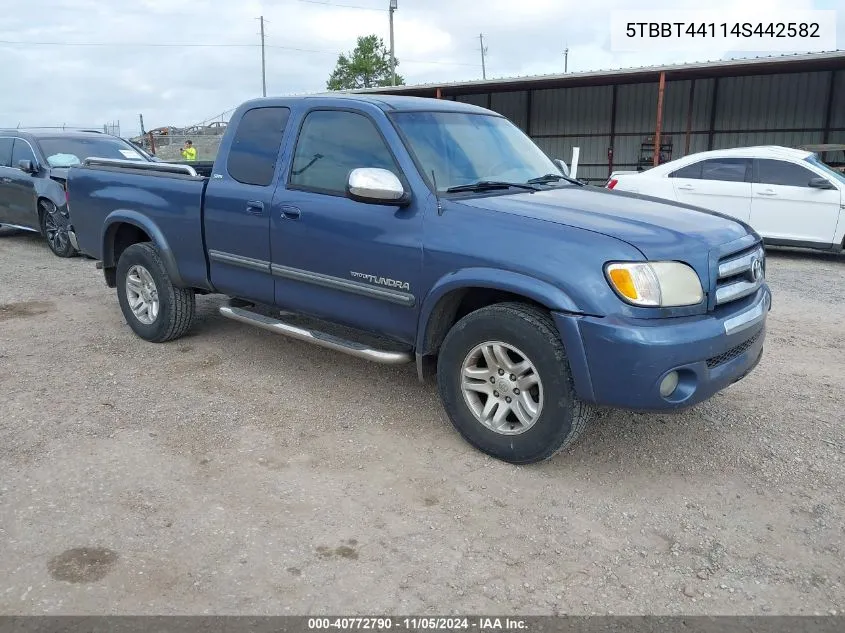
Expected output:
(657, 228)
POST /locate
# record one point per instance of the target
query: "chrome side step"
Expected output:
(353, 348)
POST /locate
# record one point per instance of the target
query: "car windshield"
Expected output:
(815, 160)
(461, 148)
(69, 151)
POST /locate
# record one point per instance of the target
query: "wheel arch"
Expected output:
(121, 229)
(462, 292)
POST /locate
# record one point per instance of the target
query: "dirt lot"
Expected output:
(235, 471)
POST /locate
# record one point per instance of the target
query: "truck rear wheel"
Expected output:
(156, 310)
(505, 383)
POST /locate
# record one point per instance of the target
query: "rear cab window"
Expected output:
(255, 147)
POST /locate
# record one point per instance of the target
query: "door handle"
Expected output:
(291, 213)
(255, 207)
(767, 192)
(685, 187)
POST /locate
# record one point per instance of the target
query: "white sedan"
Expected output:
(787, 195)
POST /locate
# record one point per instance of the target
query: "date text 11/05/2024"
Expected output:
(722, 30)
(421, 623)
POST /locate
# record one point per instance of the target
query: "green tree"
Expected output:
(367, 66)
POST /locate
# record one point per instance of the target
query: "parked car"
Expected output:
(789, 196)
(400, 229)
(33, 172)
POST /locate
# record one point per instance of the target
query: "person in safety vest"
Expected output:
(189, 152)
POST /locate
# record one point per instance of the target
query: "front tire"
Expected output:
(54, 225)
(156, 310)
(505, 382)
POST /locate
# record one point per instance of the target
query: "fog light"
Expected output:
(669, 384)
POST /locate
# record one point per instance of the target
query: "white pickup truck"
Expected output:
(789, 196)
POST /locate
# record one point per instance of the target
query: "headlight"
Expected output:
(655, 284)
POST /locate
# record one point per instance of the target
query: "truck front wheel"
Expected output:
(505, 383)
(156, 310)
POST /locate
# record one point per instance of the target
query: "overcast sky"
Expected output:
(112, 72)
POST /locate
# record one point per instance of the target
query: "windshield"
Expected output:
(66, 152)
(814, 160)
(461, 148)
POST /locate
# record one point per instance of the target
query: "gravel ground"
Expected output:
(238, 472)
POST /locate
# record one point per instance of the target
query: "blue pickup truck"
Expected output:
(401, 229)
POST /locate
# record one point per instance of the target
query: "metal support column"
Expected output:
(614, 93)
(689, 116)
(828, 113)
(528, 99)
(713, 103)
(658, 128)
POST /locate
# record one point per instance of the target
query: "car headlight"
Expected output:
(655, 284)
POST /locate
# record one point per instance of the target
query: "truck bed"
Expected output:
(162, 197)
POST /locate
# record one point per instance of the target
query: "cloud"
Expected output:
(436, 40)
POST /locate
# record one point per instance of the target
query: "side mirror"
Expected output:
(562, 167)
(376, 186)
(821, 183)
(26, 166)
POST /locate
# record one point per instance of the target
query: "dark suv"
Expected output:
(33, 172)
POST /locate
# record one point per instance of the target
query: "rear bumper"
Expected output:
(621, 362)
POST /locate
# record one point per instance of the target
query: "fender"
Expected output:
(496, 279)
(127, 216)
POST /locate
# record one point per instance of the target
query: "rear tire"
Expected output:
(156, 310)
(505, 382)
(54, 225)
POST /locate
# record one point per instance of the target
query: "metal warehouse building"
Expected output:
(617, 117)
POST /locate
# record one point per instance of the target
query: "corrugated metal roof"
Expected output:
(744, 65)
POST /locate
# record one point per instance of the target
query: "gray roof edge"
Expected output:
(796, 58)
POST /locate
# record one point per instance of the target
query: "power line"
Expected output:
(406, 61)
(190, 45)
(127, 44)
(342, 6)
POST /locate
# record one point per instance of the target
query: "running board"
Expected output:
(353, 348)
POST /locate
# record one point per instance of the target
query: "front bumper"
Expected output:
(621, 362)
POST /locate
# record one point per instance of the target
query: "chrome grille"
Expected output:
(740, 274)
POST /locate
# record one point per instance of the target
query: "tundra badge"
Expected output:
(382, 281)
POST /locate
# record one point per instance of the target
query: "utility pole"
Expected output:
(263, 66)
(393, 6)
(483, 52)
(141, 116)
(566, 59)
